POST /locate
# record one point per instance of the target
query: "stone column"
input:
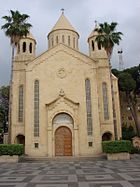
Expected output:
(76, 142)
(50, 146)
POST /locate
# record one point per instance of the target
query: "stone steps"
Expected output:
(61, 158)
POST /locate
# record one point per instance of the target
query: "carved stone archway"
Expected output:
(107, 136)
(20, 139)
(62, 104)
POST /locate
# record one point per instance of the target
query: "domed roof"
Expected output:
(63, 24)
(94, 33)
(30, 36)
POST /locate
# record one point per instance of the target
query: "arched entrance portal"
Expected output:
(63, 141)
(107, 136)
(20, 139)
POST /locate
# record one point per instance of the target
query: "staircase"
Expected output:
(26, 158)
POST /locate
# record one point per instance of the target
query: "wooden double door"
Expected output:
(63, 142)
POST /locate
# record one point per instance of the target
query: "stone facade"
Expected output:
(60, 98)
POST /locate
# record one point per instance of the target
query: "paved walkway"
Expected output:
(71, 173)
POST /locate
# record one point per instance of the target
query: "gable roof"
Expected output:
(62, 47)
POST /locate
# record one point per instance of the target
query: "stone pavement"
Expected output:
(71, 173)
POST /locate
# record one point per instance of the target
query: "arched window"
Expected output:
(62, 118)
(74, 43)
(105, 100)
(92, 45)
(30, 47)
(69, 40)
(99, 46)
(20, 104)
(24, 47)
(56, 39)
(18, 49)
(52, 42)
(88, 106)
(106, 136)
(63, 39)
(36, 108)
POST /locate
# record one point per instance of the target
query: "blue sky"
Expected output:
(81, 14)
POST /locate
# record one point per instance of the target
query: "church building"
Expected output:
(64, 102)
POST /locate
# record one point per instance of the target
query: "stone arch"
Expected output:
(62, 118)
(20, 139)
(107, 136)
(60, 112)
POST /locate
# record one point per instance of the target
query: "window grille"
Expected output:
(20, 109)
(88, 107)
(36, 108)
(105, 101)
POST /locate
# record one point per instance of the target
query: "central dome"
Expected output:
(63, 32)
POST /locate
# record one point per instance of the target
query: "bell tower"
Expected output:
(26, 48)
(96, 51)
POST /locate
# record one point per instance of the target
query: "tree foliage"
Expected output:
(16, 26)
(128, 133)
(108, 36)
(126, 82)
(4, 105)
(129, 83)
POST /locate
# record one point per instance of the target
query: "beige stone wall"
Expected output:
(61, 72)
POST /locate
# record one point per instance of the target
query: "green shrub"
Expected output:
(128, 133)
(11, 149)
(117, 146)
(135, 150)
(1, 130)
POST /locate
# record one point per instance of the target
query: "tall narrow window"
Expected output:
(105, 101)
(52, 42)
(30, 47)
(24, 47)
(74, 43)
(56, 39)
(36, 108)
(69, 40)
(89, 107)
(63, 39)
(18, 50)
(92, 45)
(99, 46)
(20, 105)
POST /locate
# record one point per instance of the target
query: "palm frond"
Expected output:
(16, 25)
(107, 36)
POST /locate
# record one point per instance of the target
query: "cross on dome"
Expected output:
(62, 9)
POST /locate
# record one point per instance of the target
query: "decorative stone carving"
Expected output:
(61, 73)
(62, 93)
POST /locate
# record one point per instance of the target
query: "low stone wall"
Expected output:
(118, 156)
(8, 158)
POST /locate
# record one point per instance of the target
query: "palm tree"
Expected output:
(107, 37)
(15, 28)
